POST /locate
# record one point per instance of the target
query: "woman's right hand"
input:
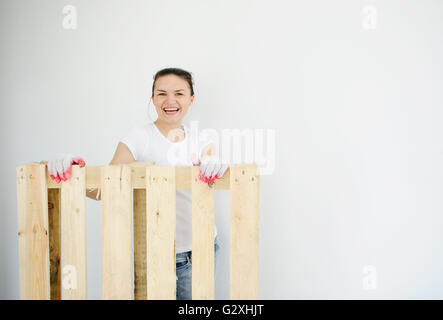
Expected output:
(60, 167)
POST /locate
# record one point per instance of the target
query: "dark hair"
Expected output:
(185, 75)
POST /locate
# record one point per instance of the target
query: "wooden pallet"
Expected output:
(52, 223)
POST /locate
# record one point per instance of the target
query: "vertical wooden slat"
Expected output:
(116, 232)
(160, 225)
(244, 231)
(73, 195)
(202, 238)
(54, 242)
(139, 244)
(139, 204)
(33, 238)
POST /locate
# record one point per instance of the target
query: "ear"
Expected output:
(192, 99)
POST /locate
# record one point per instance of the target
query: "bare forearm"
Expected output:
(93, 194)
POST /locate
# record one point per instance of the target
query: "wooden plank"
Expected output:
(74, 235)
(245, 183)
(182, 173)
(33, 238)
(202, 239)
(160, 225)
(54, 243)
(116, 232)
(139, 203)
(139, 244)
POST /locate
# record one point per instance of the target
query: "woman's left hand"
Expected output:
(211, 168)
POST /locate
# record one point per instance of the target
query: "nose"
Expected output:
(170, 101)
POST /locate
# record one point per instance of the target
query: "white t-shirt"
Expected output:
(147, 143)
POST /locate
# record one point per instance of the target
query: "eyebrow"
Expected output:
(165, 90)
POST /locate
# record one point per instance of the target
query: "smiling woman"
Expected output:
(172, 95)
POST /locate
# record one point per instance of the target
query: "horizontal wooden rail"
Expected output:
(182, 174)
(52, 228)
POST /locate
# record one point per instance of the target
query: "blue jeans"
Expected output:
(183, 266)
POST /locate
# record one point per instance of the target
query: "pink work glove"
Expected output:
(211, 168)
(60, 168)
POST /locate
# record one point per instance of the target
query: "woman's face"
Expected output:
(170, 93)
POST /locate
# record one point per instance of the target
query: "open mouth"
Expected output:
(171, 111)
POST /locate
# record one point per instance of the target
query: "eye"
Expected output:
(161, 94)
(180, 94)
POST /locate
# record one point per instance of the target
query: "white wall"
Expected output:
(357, 114)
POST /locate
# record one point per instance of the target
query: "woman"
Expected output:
(172, 95)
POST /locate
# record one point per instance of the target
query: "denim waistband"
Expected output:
(181, 256)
